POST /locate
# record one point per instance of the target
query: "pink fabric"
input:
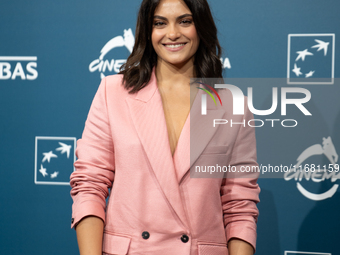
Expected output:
(125, 147)
(212, 249)
(116, 244)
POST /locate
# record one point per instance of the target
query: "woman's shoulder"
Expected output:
(113, 85)
(114, 80)
(226, 96)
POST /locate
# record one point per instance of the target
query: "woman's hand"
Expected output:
(239, 247)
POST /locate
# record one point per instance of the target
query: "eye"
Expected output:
(186, 22)
(158, 23)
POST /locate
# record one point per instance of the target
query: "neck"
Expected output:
(170, 76)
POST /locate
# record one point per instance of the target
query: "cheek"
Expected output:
(192, 34)
(155, 38)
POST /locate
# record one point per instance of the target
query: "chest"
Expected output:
(176, 109)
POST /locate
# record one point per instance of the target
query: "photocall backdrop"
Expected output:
(53, 55)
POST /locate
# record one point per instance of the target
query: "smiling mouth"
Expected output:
(174, 46)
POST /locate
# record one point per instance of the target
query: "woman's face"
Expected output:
(174, 36)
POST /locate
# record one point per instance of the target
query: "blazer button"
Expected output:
(184, 238)
(72, 220)
(145, 235)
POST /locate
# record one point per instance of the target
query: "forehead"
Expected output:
(171, 8)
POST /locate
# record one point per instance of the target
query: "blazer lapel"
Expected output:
(148, 117)
(196, 134)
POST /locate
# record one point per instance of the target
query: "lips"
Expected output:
(174, 46)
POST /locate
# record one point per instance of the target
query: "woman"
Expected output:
(136, 141)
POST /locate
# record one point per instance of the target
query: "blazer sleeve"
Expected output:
(239, 190)
(94, 174)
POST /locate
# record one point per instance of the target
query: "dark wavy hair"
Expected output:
(138, 68)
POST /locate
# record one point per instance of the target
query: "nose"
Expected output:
(173, 32)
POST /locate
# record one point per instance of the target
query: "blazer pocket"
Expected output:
(212, 249)
(115, 244)
(215, 150)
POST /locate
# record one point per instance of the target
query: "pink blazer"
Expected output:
(156, 205)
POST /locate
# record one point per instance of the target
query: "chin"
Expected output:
(179, 62)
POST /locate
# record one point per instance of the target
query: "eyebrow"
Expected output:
(179, 17)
